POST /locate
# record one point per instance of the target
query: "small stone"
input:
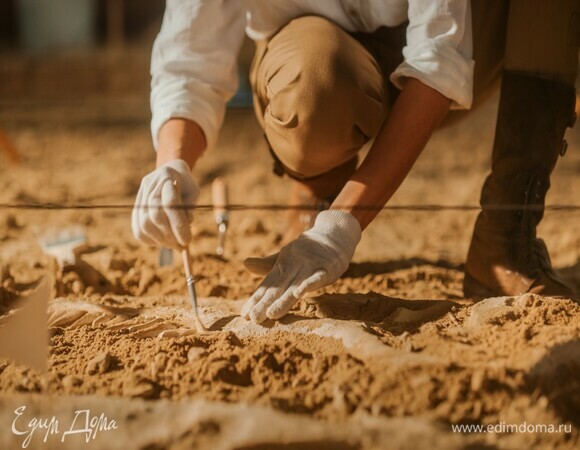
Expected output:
(159, 364)
(226, 372)
(99, 364)
(408, 346)
(70, 381)
(77, 287)
(140, 387)
(161, 360)
(137, 368)
(477, 380)
(417, 381)
(28, 385)
(525, 301)
(404, 336)
(218, 291)
(543, 402)
(488, 311)
(44, 383)
(528, 333)
(376, 409)
(195, 353)
(339, 401)
(120, 264)
(232, 339)
(429, 328)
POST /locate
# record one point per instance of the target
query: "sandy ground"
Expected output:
(388, 357)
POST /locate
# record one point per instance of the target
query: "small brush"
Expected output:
(220, 202)
(190, 280)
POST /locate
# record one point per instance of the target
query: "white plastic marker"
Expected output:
(62, 243)
(190, 280)
(219, 191)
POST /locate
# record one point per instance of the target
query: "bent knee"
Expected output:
(326, 96)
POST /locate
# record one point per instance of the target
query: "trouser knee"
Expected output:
(321, 96)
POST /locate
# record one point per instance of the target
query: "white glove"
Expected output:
(155, 219)
(317, 258)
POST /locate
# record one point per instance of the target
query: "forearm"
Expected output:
(180, 139)
(402, 138)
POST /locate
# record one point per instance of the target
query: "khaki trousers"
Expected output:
(321, 93)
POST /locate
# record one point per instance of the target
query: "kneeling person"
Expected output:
(326, 79)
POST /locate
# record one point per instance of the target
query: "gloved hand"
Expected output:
(317, 258)
(155, 220)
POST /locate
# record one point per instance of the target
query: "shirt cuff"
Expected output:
(208, 119)
(441, 67)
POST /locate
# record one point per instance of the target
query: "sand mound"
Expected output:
(390, 356)
(394, 358)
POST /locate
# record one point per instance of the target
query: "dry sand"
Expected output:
(388, 357)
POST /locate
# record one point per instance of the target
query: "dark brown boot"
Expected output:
(505, 256)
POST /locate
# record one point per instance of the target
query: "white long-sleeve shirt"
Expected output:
(194, 57)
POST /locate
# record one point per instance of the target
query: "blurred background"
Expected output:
(74, 127)
(62, 52)
(62, 55)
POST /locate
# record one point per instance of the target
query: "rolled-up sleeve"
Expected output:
(194, 63)
(439, 49)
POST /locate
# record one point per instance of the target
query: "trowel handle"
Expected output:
(219, 191)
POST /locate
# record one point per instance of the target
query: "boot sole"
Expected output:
(475, 290)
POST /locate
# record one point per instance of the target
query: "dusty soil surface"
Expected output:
(391, 356)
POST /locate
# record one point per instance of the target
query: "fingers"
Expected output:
(259, 293)
(272, 288)
(280, 307)
(316, 281)
(158, 223)
(260, 266)
(279, 293)
(178, 218)
(135, 216)
(297, 289)
(152, 232)
(158, 217)
(136, 220)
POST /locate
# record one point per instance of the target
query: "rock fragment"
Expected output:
(99, 364)
(477, 380)
(140, 387)
(70, 381)
(194, 353)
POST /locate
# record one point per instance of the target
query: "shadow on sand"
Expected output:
(556, 377)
